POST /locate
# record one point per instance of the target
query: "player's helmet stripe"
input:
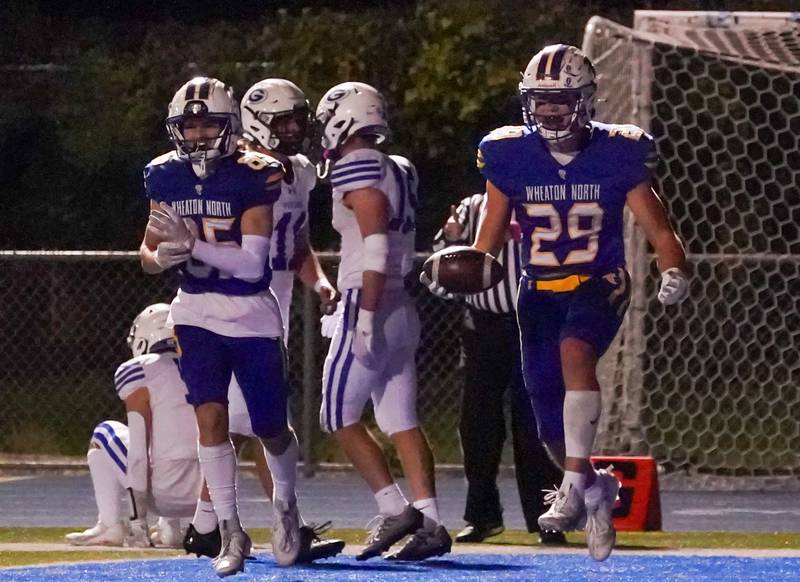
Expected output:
(205, 88)
(189, 93)
(550, 62)
(555, 65)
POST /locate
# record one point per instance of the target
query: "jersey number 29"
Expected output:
(552, 232)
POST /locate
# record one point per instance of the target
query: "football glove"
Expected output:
(330, 321)
(168, 226)
(674, 287)
(170, 254)
(328, 296)
(363, 342)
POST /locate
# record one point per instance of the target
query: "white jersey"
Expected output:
(174, 428)
(290, 216)
(396, 177)
(290, 232)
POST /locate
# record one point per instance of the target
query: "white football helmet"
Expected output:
(149, 331)
(352, 109)
(207, 98)
(560, 74)
(268, 100)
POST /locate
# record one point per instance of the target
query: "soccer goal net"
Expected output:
(711, 388)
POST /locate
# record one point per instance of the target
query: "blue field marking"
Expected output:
(455, 568)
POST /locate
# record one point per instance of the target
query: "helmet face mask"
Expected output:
(277, 116)
(557, 92)
(203, 103)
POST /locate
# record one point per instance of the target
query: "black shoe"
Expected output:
(476, 533)
(390, 529)
(551, 537)
(208, 544)
(313, 547)
(425, 543)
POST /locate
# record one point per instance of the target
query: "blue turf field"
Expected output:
(483, 568)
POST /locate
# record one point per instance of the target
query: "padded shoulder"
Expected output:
(362, 168)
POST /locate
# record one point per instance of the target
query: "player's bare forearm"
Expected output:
(309, 271)
(372, 289)
(147, 256)
(651, 216)
(494, 221)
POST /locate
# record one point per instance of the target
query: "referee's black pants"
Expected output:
(493, 365)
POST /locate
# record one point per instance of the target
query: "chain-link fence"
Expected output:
(712, 387)
(65, 317)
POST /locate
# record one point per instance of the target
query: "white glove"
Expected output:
(169, 254)
(167, 225)
(329, 322)
(674, 286)
(434, 287)
(363, 341)
(137, 534)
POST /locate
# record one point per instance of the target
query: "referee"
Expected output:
(490, 339)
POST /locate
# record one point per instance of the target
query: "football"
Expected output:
(463, 270)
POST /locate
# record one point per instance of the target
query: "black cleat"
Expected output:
(313, 547)
(424, 544)
(387, 530)
(551, 537)
(208, 544)
(476, 533)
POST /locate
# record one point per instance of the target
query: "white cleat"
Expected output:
(99, 535)
(286, 539)
(600, 499)
(236, 547)
(167, 533)
(566, 512)
(137, 534)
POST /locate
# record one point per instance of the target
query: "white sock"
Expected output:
(218, 465)
(430, 510)
(581, 416)
(205, 519)
(284, 471)
(107, 488)
(391, 500)
(576, 480)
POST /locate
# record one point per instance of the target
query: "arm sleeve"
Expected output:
(246, 262)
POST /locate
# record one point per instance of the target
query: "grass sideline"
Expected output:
(656, 541)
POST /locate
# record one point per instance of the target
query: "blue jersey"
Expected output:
(216, 204)
(571, 216)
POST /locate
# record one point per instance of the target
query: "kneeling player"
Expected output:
(153, 460)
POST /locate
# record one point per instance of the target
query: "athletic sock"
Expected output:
(430, 510)
(205, 519)
(218, 464)
(391, 500)
(581, 416)
(284, 471)
(107, 489)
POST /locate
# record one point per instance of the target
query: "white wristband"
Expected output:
(376, 252)
(365, 320)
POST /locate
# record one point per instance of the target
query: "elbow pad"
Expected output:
(376, 252)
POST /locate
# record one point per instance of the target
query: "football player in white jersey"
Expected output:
(372, 352)
(154, 457)
(276, 121)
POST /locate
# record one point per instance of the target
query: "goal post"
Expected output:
(711, 388)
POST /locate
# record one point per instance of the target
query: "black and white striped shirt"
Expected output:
(501, 298)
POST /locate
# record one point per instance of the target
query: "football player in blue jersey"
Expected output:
(568, 178)
(211, 218)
